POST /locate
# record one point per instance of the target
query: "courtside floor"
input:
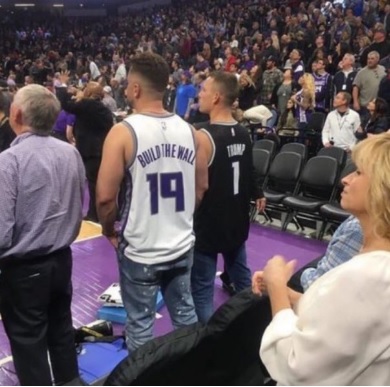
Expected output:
(95, 268)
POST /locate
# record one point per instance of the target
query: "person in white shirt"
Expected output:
(338, 333)
(341, 124)
(120, 73)
(93, 68)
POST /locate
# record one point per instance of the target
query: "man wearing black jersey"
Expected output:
(221, 221)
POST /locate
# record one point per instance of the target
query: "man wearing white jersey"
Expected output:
(159, 160)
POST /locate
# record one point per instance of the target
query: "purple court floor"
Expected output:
(95, 269)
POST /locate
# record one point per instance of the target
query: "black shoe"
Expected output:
(227, 285)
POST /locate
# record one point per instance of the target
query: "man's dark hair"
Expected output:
(227, 84)
(153, 68)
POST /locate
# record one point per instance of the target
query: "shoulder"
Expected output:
(8, 159)
(354, 114)
(372, 267)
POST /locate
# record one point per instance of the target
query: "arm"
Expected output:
(346, 242)
(204, 152)
(276, 274)
(294, 297)
(8, 196)
(306, 349)
(191, 100)
(381, 125)
(69, 135)
(326, 138)
(69, 105)
(256, 190)
(355, 97)
(117, 150)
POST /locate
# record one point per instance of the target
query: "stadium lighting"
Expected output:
(58, 5)
(24, 5)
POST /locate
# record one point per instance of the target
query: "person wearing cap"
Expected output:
(108, 100)
(272, 76)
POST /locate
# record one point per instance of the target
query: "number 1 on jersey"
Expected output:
(160, 185)
(236, 176)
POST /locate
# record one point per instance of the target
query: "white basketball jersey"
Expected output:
(157, 216)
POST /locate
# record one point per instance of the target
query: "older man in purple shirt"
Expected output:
(41, 190)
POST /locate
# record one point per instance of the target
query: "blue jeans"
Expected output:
(203, 277)
(139, 286)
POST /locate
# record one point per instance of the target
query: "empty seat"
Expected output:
(332, 213)
(267, 145)
(317, 186)
(282, 180)
(295, 147)
(337, 153)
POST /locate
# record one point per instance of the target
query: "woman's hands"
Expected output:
(276, 273)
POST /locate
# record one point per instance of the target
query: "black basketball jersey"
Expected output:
(221, 222)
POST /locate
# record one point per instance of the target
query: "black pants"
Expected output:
(35, 299)
(92, 165)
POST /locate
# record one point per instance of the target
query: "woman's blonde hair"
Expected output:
(366, 40)
(309, 88)
(372, 156)
(247, 78)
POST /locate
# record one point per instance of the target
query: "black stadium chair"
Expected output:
(317, 186)
(316, 123)
(282, 181)
(295, 147)
(261, 163)
(312, 134)
(337, 153)
(268, 145)
(332, 213)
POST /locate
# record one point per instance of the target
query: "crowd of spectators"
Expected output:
(305, 51)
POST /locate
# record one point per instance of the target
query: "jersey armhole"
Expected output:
(212, 145)
(135, 142)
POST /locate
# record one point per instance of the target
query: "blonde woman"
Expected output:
(247, 94)
(304, 100)
(338, 332)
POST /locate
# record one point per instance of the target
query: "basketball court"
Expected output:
(95, 268)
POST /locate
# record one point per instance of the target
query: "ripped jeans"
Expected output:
(139, 286)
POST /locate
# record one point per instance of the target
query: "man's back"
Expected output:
(46, 179)
(222, 220)
(160, 189)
